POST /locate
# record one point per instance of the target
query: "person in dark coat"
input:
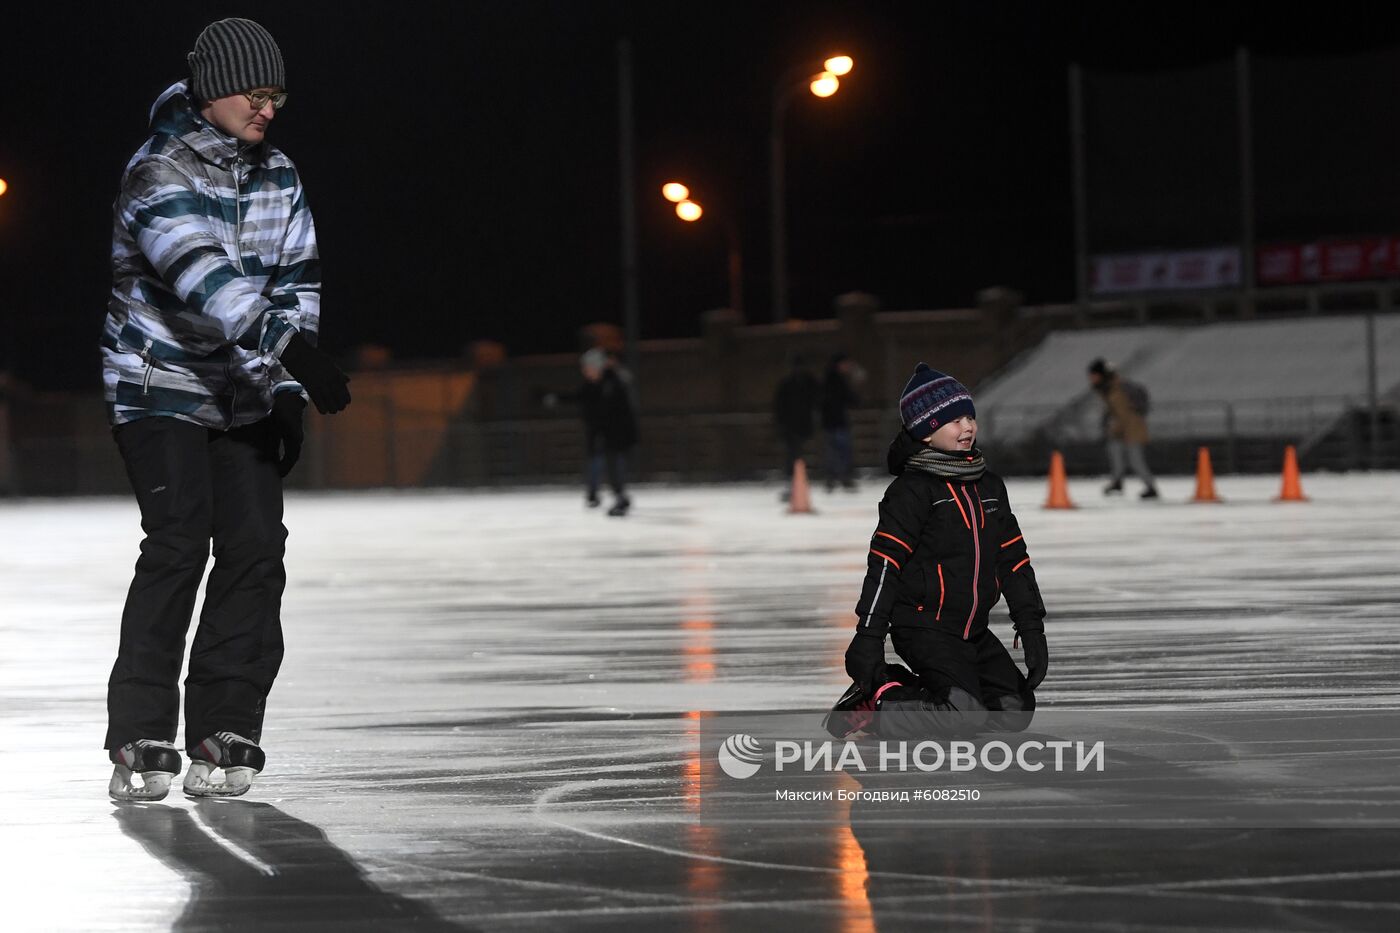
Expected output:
(609, 424)
(947, 547)
(838, 397)
(794, 405)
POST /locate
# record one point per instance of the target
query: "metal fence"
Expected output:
(1338, 432)
(407, 449)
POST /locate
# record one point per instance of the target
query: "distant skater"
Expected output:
(1124, 426)
(209, 354)
(946, 548)
(609, 426)
(837, 400)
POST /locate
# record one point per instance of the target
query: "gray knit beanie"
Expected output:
(232, 56)
(595, 358)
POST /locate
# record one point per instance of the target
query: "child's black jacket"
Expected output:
(943, 553)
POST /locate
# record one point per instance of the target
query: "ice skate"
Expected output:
(143, 770)
(236, 757)
(856, 708)
(847, 717)
(621, 507)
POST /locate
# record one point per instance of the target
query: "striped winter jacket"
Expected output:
(944, 552)
(214, 266)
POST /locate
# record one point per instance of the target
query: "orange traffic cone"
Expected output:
(1059, 485)
(800, 502)
(1205, 478)
(1292, 484)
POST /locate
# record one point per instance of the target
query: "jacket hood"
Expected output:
(902, 448)
(175, 114)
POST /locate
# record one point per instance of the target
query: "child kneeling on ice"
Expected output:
(946, 548)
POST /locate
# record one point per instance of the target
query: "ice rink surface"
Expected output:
(488, 718)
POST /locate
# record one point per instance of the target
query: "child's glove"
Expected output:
(1037, 657)
(865, 660)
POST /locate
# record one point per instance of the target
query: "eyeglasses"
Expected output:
(260, 99)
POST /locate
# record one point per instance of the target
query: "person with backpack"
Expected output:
(1125, 427)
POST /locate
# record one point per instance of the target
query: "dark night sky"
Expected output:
(461, 158)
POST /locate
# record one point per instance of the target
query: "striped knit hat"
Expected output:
(232, 56)
(932, 399)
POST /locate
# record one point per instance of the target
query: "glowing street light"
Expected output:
(839, 65)
(690, 211)
(825, 84)
(3, 186)
(789, 87)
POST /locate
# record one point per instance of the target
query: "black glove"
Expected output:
(286, 421)
(1037, 657)
(322, 379)
(865, 660)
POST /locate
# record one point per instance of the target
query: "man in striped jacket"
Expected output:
(946, 549)
(208, 358)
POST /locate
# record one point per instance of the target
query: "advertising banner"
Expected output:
(1125, 273)
(1351, 260)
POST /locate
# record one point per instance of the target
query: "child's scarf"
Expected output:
(962, 465)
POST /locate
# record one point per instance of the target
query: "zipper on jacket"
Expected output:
(976, 567)
(150, 365)
(233, 384)
(237, 248)
(238, 212)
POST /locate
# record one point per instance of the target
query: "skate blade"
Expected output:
(154, 784)
(847, 732)
(198, 781)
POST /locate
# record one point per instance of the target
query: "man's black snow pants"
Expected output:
(194, 485)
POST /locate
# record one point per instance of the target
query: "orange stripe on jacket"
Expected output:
(1013, 541)
(888, 558)
(896, 541)
(1017, 567)
(961, 511)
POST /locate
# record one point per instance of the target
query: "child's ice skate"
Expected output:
(856, 709)
(152, 763)
(238, 758)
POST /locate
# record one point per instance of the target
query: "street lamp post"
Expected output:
(736, 269)
(792, 83)
(691, 211)
(631, 313)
